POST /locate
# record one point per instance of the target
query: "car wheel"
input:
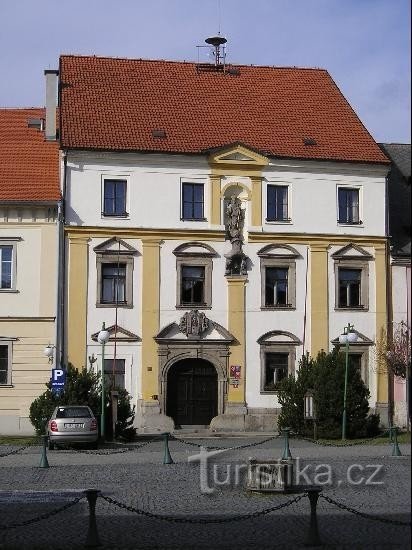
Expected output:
(94, 446)
(51, 445)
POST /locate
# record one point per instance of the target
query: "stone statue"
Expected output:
(235, 259)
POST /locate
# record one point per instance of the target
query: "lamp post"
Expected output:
(348, 337)
(103, 338)
(309, 411)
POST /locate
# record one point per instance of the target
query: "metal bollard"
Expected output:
(286, 451)
(167, 459)
(313, 538)
(92, 540)
(44, 463)
(395, 449)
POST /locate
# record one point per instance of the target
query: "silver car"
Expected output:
(72, 424)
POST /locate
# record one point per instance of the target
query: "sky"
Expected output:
(364, 44)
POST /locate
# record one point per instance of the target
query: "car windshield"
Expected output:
(73, 412)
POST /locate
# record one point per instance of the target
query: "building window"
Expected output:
(6, 267)
(194, 264)
(276, 286)
(113, 288)
(276, 369)
(277, 358)
(350, 287)
(5, 363)
(192, 201)
(193, 285)
(114, 197)
(277, 203)
(348, 205)
(114, 374)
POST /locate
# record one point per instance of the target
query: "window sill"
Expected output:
(269, 392)
(193, 219)
(280, 222)
(350, 224)
(281, 308)
(9, 291)
(6, 386)
(114, 305)
(193, 306)
(352, 308)
(125, 216)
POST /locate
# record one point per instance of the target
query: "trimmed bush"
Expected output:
(325, 375)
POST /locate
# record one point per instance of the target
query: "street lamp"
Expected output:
(49, 352)
(309, 411)
(103, 338)
(348, 337)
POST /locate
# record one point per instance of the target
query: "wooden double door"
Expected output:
(192, 392)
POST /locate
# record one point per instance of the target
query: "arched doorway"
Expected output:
(192, 392)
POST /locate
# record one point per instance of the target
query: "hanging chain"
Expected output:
(202, 521)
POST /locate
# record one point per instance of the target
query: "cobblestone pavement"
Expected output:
(140, 479)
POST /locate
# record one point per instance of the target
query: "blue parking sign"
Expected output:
(58, 380)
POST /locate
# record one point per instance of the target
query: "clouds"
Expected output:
(364, 44)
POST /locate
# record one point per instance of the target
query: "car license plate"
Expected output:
(74, 425)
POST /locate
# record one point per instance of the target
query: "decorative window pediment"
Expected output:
(278, 251)
(119, 335)
(115, 245)
(195, 249)
(277, 337)
(352, 252)
(238, 153)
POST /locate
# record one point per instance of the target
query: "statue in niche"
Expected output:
(194, 323)
(235, 259)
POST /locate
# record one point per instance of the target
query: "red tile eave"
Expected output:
(215, 149)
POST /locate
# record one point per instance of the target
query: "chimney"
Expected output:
(51, 103)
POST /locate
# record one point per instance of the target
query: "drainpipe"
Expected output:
(389, 308)
(61, 272)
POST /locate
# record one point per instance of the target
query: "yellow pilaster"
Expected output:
(381, 316)
(77, 301)
(215, 200)
(256, 200)
(237, 326)
(150, 316)
(319, 298)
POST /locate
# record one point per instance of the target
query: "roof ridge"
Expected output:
(186, 62)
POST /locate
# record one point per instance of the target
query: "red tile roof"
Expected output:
(29, 166)
(115, 104)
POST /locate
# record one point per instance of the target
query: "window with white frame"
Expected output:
(6, 267)
(114, 202)
(277, 202)
(349, 205)
(5, 363)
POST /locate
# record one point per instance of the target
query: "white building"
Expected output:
(208, 311)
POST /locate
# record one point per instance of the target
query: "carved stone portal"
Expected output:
(194, 324)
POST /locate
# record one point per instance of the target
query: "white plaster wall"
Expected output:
(401, 293)
(153, 189)
(313, 197)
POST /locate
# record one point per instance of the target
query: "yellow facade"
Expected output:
(237, 327)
